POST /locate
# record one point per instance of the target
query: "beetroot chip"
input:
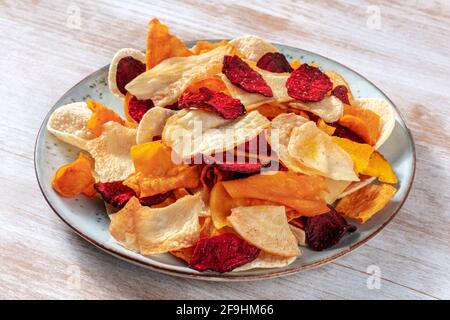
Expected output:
(137, 108)
(241, 75)
(115, 193)
(274, 62)
(222, 253)
(341, 93)
(308, 84)
(325, 230)
(128, 68)
(246, 168)
(219, 102)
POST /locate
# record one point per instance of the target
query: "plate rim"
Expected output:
(229, 276)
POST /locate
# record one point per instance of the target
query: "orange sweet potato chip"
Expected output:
(322, 125)
(363, 122)
(161, 44)
(75, 178)
(270, 110)
(379, 167)
(364, 203)
(214, 83)
(100, 115)
(295, 63)
(305, 194)
(157, 173)
(205, 46)
(359, 152)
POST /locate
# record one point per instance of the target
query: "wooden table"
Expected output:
(45, 51)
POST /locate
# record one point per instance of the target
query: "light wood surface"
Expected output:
(42, 56)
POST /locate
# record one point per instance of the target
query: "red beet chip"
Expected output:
(219, 102)
(341, 93)
(128, 68)
(240, 74)
(157, 198)
(115, 193)
(222, 253)
(137, 108)
(325, 230)
(308, 84)
(274, 62)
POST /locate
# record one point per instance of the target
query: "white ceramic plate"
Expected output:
(87, 217)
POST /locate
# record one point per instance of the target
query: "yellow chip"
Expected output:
(380, 168)
(329, 108)
(359, 152)
(295, 63)
(158, 230)
(100, 115)
(364, 203)
(322, 125)
(364, 122)
(267, 228)
(205, 46)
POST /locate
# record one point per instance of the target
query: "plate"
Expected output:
(87, 217)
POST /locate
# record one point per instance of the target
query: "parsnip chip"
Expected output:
(339, 80)
(158, 230)
(329, 108)
(161, 44)
(69, 124)
(252, 47)
(266, 261)
(267, 228)
(386, 113)
(279, 136)
(316, 150)
(193, 132)
(164, 83)
(205, 46)
(359, 152)
(152, 124)
(356, 185)
(112, 73)
(299, 234)
(380, 168)
(111, 152)
(366, 202)
(299, 192)
(100, 115)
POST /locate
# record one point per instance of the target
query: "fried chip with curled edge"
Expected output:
(330, 108)
(68, 123)
(205, 46)
(195, 132)
(316, 150)
(266, 261)
(366, 202)
(252, 47)
(152, 124)
(111, 152)
(164, 83)
(157, 230)
(266, 227)
(385, 111)
(379, 167)
(101, 114)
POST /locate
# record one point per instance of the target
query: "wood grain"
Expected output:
(42, 57)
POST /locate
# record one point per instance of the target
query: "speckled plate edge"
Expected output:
(229, 276)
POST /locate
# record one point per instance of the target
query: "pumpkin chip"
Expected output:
(214, 83)
(363, 122)
(205, 46)
(299, 192)
(161, 44)
(265, 227)
(379, 167)
(295, 63)
(359, 152)
(322, 125)
(100, 115)
(155, 170)
(272, 110)
(364, 203)
(75, 178)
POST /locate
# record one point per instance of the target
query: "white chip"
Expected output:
(355, 186)
(122, 53)
(69, 124)
(252, 47)
(266, 261)
(194, 132)
(330, 108)
(111, 152)
(152, 124)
